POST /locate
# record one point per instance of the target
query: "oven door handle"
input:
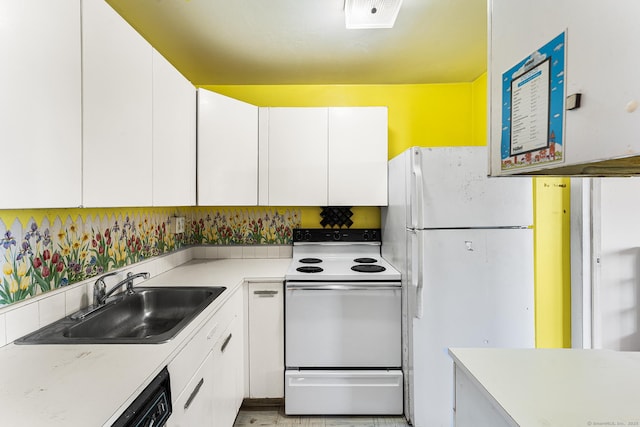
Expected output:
(342, 288)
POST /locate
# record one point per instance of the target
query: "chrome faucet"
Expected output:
(100, 294)
(100, 289)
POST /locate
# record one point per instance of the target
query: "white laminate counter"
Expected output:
(555, 387)
(91, 385)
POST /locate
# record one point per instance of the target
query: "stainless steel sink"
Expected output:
(151, 315)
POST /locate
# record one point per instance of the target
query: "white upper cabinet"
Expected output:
(40, 103)
(174, 136)
(227, 151)
(358, 156)
(297, 159)
(602, 63)
(323, 156)
(117, 110)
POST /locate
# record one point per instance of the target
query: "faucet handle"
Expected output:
(100, 288)
(99, 291)
(131, 276)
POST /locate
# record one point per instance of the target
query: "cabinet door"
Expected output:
(266, 340)
(40, 103)
(358, 156)
(174, 136)
(297, 156)
(473, 406)
(194, 406)
(117, 120)
(227, 151)
(601, 65)
(228, 375)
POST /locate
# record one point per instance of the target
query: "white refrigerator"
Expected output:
(464, 245)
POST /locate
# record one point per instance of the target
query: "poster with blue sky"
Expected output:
(533, 108)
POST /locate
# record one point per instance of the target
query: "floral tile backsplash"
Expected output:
(38, 257)
(242, 228)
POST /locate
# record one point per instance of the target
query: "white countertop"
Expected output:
(557, 387)
(88, 385)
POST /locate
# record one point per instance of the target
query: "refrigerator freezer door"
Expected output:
(477, 292)
(456, 191)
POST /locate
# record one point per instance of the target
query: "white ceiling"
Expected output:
(305, 41)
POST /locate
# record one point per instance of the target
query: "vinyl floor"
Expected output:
(276, 417)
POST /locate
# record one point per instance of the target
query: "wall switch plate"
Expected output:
(177, 225)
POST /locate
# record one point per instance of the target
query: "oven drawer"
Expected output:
(343, 392)
(343, 326)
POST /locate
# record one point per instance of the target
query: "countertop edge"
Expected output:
(61, 385)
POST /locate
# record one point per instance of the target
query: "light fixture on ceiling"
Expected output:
(362, 14)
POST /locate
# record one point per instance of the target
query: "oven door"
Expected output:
(342, 325)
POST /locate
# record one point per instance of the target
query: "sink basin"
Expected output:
(151, 315)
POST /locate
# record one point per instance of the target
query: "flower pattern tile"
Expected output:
(61, 250)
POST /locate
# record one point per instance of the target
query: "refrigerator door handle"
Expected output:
(416, 271)
(412, 248)
(418, 189)
(420, 279)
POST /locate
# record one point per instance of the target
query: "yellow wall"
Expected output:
(453, 114)
(479, 116)
(363, 216)
(419, 115)
(552, 262)
(425, 115)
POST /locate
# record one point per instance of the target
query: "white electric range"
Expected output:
(342, 326)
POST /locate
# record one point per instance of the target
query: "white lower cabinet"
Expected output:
(211, 394)
(228, 375)
(193, 406)
(266, 340)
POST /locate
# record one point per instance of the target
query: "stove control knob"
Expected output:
(307, 235)
(298, 236)
(365, 235)
(337, 235)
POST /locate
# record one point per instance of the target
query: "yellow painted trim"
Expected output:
(552, 262)
(26, 215)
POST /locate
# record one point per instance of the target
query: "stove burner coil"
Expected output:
(310, 260)
(309, 269)
(368, 268)
(365, 260)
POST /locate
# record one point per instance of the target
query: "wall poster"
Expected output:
(533, 108)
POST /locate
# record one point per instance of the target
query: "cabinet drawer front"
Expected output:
(181, 368)
(343, 392)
